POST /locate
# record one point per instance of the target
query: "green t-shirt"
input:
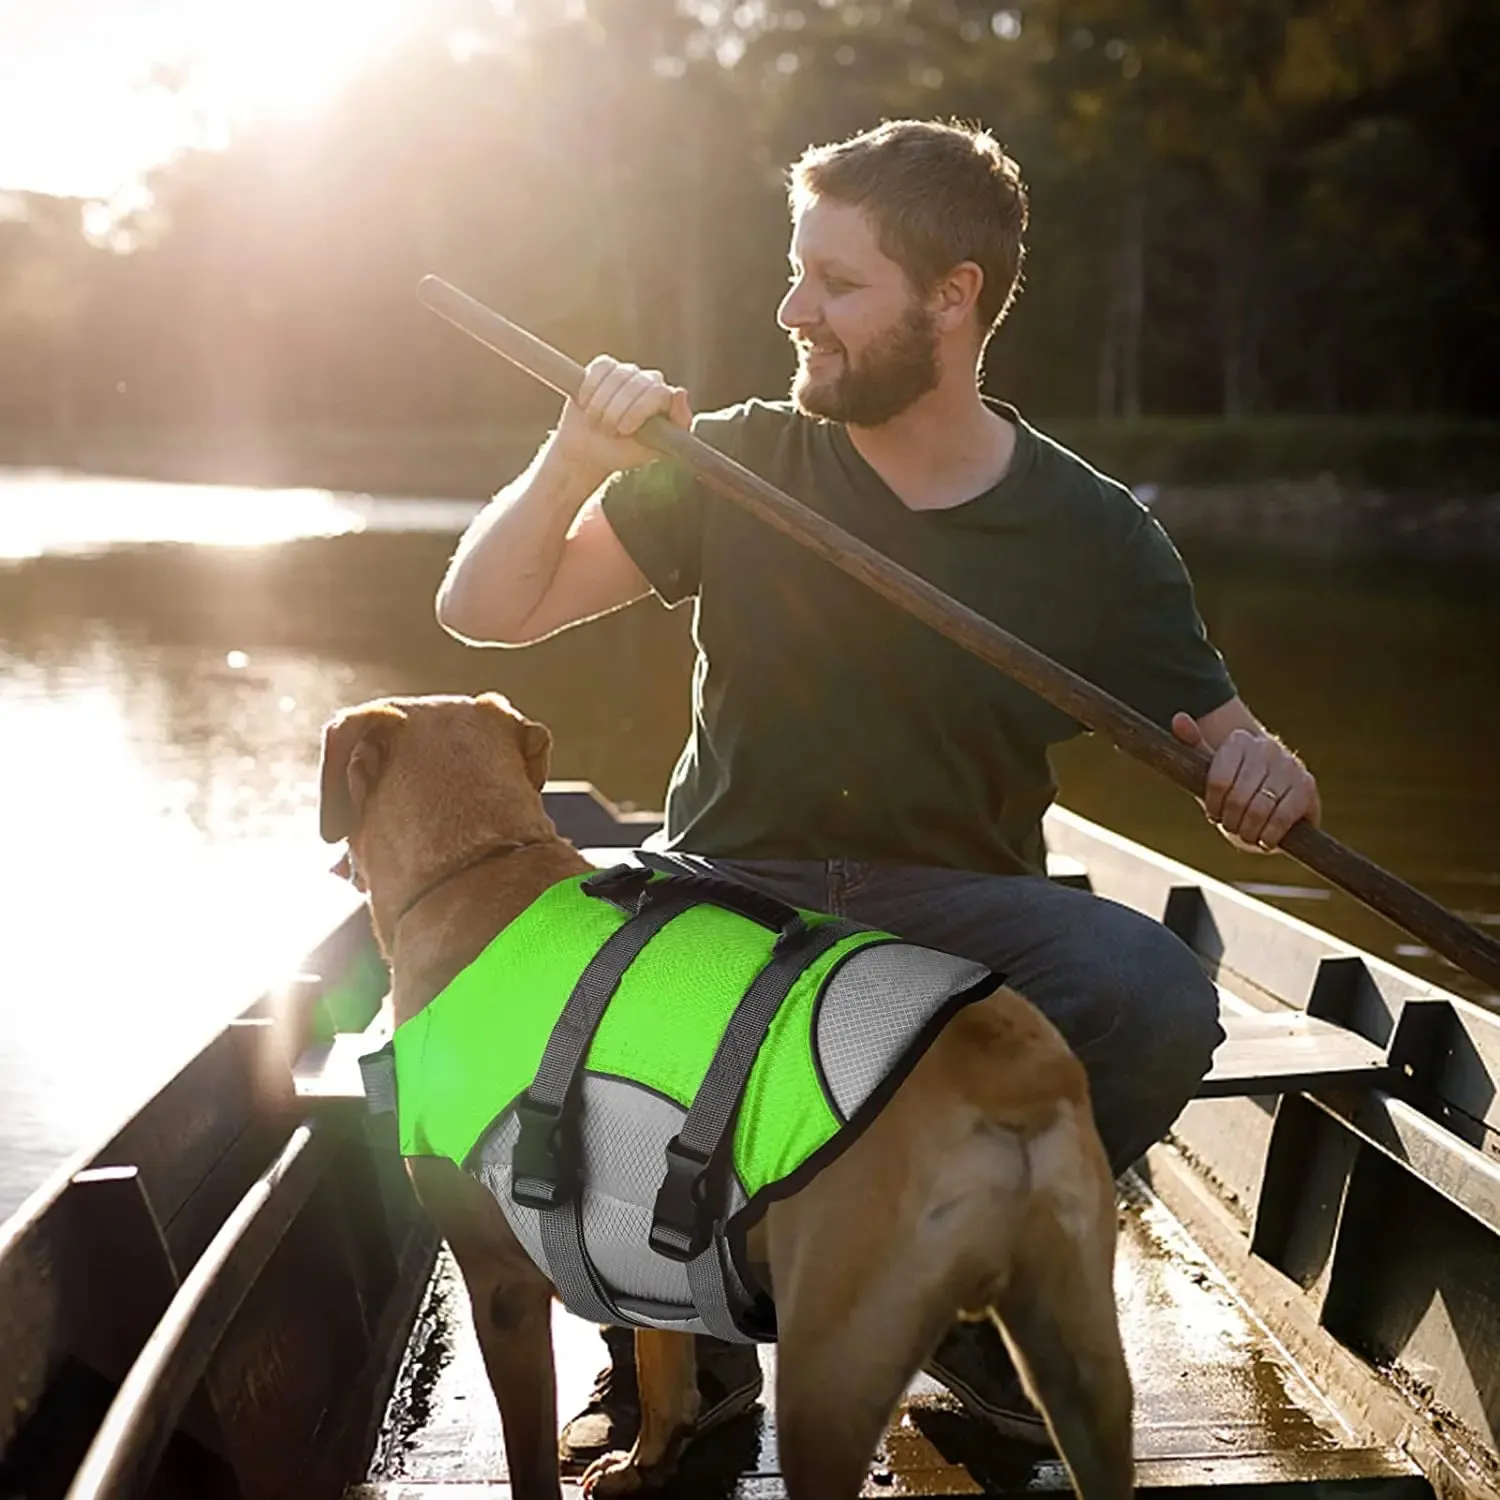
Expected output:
(827, 723)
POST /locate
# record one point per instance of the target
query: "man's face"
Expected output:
(866, 344)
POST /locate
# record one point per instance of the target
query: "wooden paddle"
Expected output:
(1435, 925)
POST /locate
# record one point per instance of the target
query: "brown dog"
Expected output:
(984, 1168)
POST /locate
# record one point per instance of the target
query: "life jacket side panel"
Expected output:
(869, 1047)
(469, 1054)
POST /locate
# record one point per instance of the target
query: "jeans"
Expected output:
(1127, 995)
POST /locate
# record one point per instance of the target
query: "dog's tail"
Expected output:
(1050, 1287)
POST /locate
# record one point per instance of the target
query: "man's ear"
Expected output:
(356, 747)
(533, 739)
(957, 294)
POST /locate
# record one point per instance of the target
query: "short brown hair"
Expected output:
(939, 194)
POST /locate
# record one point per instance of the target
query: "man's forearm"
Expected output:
(508, 557)
(1218, 725)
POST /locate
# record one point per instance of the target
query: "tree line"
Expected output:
(1239, 207)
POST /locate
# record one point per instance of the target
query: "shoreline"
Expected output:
(1323, 518)
(1317, 515)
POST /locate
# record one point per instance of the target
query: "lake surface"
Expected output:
(168, 655)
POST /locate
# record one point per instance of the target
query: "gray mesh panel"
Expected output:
(624, 1132)
(494, 1172)
(873, 1008)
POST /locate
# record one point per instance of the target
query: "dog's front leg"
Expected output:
(512, 1306)
(667, 1374)
(514, 1324)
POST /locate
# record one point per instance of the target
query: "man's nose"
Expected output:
(796, 310)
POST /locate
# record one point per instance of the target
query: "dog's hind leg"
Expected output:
(1057, 1311)
(855, 1320)
(836, 1388)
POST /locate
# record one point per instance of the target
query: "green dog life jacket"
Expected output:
(638, 1065)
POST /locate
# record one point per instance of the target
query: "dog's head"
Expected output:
(416, 785)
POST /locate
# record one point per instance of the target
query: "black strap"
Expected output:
(726, 1307)
(578, 1283)
(544, 1164)
(683, 1221)
(633, 889)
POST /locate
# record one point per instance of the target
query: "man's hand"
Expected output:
(1257, 788)
(598, 427)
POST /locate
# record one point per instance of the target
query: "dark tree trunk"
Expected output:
(1119, 372)
(1240, 264)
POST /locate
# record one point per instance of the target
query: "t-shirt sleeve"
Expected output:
(1153, 650)
(657, 513)
(660, 510)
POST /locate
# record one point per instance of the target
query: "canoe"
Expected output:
(236, 1294)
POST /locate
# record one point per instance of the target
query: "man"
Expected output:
(843, 756)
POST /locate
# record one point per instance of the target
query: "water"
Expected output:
(168, 655)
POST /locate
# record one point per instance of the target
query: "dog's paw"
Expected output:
(615, 1474)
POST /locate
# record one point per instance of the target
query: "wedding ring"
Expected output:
(1266, 791)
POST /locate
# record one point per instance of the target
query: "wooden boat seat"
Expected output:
(1062, 869)
(1289, 1052)
(1263, 1053)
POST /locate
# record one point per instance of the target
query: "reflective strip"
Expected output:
(377, 1070)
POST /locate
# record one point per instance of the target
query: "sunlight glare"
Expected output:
(162, 890)
(100, 92)
(284, 57)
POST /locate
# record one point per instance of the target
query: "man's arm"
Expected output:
(1257, 788)
(541, 556)
(533, 562)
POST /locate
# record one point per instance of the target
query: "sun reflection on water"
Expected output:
(43, 512)
(171, 870)
(74, 514)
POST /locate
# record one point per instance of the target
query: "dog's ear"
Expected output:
(533, 739)
(536, 749)
(356, 746)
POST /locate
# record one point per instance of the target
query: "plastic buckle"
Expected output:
(620, 885)
(790, 936)
(680, 1224)
(541, 1169)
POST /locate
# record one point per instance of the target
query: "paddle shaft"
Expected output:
(1403, 904)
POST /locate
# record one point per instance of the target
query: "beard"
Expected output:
(899, 366)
